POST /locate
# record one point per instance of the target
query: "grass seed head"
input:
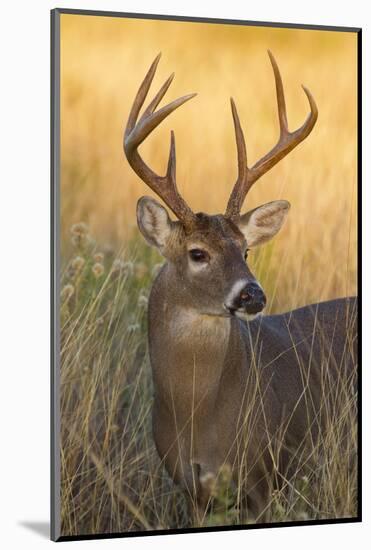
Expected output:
(78, 263)
(67, 292)
(134, 327)
(98, 257)
(98, 270)
(79, 229)
(80, 241)
(143, 301)
(124, 268)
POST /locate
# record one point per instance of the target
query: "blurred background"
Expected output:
(103, 61)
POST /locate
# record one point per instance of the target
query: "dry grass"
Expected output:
(111, 477)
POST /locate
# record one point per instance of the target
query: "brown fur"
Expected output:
(209, 368)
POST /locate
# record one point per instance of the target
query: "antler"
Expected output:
(137, 131)
(286, 143)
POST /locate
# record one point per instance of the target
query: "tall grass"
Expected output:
(112, 479)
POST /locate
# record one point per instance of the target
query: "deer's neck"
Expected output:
(189, 327)
(180, 325)
(187, 344)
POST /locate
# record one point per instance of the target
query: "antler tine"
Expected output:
(160, 94)
(240, 187)
(281, 103)
(287, 142)
(137, 131)
(148, 123)
(141, 96)
(241, 144)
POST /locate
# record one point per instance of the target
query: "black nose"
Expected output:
(252, 299)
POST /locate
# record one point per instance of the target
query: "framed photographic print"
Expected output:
(205, 342)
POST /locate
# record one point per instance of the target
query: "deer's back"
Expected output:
(305, 360)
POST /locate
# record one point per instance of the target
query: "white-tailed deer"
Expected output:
(232, 387)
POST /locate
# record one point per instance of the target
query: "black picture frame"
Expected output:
(55, 266)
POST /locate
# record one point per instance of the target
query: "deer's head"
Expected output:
(210, 252)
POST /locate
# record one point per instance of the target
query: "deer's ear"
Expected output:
(263, 223)
(154, 222)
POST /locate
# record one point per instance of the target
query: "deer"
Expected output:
(232, 387)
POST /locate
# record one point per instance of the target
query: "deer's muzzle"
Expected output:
(249, 298)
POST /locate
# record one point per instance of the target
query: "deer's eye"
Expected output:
(246, 253)
(198, 255)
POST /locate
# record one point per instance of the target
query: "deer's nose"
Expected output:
(252, 298)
